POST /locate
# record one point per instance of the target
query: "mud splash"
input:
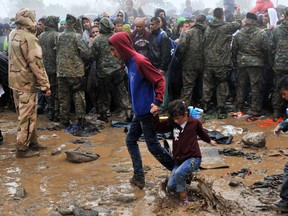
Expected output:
(55, 185)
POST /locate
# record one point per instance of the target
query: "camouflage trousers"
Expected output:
(113, 88)
(189, 79)
(278, 102)
(215, 79)
(26, 108)
(66, 92)
(250, 76)
(53, 103)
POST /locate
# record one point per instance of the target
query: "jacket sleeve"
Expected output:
(83, 48)
(155, 77)
(35, 62)
(202, 133)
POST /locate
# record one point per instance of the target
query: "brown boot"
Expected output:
(35, 146)
(27, 154)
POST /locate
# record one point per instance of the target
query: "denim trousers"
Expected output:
(144, 125)
(180, 173)
(284, 188)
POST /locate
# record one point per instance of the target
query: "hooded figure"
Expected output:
(27, 75)
(146, 89)
(48, 41)
(122, 15)
(262, 6)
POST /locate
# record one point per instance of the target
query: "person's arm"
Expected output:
(203, 134)
(283, 126)
(165, 52)
(35, 62)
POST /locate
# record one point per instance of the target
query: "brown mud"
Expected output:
(52, 183)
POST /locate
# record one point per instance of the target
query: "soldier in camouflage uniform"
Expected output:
(48, 41)
(109, 73)
(217, 40)
(190, 53)
(72, 50)
(280, 62)
(250, 47)
(27, 75)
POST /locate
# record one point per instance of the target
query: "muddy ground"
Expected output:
(54, 185)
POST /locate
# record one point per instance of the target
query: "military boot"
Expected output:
(27, 153)
(81, 122)
(222, 113)
(51, 114)
(35, 146)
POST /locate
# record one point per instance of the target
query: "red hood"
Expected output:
(122, 42)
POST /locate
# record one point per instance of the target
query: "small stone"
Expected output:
(125, 198)
(84, 212)
(257, 139)
(235, 183)
(20, 192)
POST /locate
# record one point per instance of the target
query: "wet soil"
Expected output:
(55, 185)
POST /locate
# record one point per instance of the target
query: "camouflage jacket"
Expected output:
(106, 64)
(26, 68)
(72, 50)
(190, 48)
(280, 46)
(250, 47)
(217, 40)
(48, 41)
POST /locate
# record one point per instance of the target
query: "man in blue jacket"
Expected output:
(146, 88)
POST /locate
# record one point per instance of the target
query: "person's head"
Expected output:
(266, 17)
(283, 87)
(154, 23)
(26, 18)
(250, 19)
(218, 13)
(178, 111)
(160, 12)
(140, 25)
(129, 4)
(94, 31)
(201, 19)
(285, 13)
(96, 21)
(121, 46)
(52, 22)
(105, 25)
(183, 26)
(86, 23)
(118, 25)
(126, 28)
(120, 16)
(40, 25)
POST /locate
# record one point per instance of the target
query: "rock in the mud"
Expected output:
(20, 192)
(125, 198)
(235, 183)
(78, 156)
(65, 210)
(257, 139)
(84, 212)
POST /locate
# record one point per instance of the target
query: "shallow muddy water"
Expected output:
(52, 183)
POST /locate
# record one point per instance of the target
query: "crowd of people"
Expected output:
(158, 64)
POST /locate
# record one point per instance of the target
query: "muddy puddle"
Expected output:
(54, 185)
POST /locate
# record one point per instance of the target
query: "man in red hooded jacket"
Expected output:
(262, 6)
(146, 89)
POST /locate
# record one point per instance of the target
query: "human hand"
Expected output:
(277, 130)
(48, 93)
(154, 109)
(161, 71)
(213, 143)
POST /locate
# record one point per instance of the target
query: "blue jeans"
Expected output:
(180, 173)
(284, 188)
(144, 125)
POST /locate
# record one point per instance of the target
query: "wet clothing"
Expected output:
(27, 75)
(146, 86)
(185, 142)
(217, 40)
(262, 6)
(141, 43)
(48, 41)
(190, 54)
(279, 62)
(250, 47)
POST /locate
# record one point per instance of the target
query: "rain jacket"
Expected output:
(26, 68)
(262, 6)
(146, 84)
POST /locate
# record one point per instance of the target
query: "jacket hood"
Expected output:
(122, 42)
(73, 24)
(125, 18)
(26, 19)
(105, 25)
(52, 22)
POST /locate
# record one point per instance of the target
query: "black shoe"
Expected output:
(222, 113)
(138, 182)
(103, 118)
(40, 111)
(35, 146)
(51, 115)
(281, 206)
(27, 154)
